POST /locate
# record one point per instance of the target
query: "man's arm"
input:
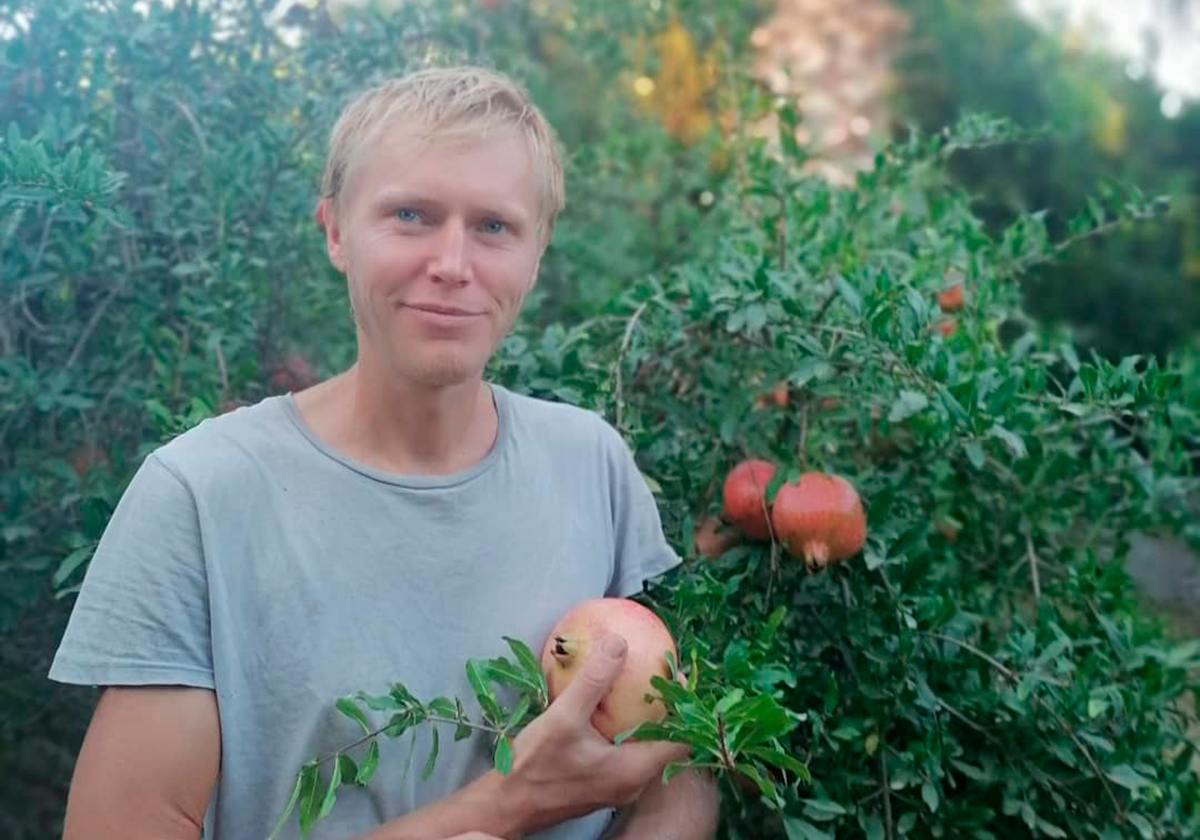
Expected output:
(686, 808)
(147, 767)
(151, 756)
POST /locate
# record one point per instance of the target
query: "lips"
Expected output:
(442, 309)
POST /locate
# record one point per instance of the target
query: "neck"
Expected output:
(402, 427)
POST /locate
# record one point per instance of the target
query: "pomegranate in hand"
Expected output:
(744, 497)
(819, 519)
(648, 642)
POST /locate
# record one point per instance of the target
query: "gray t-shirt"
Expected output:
(249, 557)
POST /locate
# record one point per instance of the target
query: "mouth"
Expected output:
(441, 309)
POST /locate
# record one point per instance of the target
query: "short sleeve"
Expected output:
(142, 613)
(642, 550)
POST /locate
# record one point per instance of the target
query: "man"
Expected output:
(384, 525)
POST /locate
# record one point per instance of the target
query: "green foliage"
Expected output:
(982, 669)
(1132, 292)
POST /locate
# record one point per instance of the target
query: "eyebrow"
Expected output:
(508, 210)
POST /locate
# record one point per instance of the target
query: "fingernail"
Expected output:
(613, 646)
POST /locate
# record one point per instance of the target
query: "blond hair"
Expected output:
(445, 104)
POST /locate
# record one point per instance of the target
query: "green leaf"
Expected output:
(1142, 825)
(504, 755)
(291, 805)
(366, 770)
(349, 770)
(1128, 778)
(975, 454)
(310, 791)
(506, 673)
(1049, 828)
(731, 699)
(908, 404)
(765, 786)
(518, 713)
(846, 732)
(524, 655)
(906, 823)
(442, 707)
(798, 829)
(930, 795)
(1011, 439)
(335, 781)
(72, 562)
(848, 294)
(823, 810)
(756, 317)
(971, 771)
(400, 723)
(809, 369)
(477, 677)
(461, 731)
(780, 759)
(349, 708)
(433, 754)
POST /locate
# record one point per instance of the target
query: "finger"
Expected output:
(599, 670)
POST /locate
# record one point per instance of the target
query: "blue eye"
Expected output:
(494, 226)
(407, 214)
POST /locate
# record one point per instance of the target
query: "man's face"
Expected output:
(440, 245)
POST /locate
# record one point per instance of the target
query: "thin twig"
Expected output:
(621, 360)
(191, 118)
(1033, 567)
(804, 435)
(995, 663)
(90, 327)
(887, 794)
(824, 306)
(221, 368)
(478, 727)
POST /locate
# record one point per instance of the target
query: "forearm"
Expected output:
(686, 808)
(484, 805)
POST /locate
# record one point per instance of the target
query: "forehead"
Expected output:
(461, 168)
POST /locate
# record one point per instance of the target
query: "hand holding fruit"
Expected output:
(564, 765)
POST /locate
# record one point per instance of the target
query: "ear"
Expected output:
(327, 218)
(533, 276)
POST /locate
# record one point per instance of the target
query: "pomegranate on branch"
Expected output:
(744, 497)
(819, 519)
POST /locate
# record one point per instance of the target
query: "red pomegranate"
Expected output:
(951, 298)
(776, 396)
(744, 497)
(648, 639)
(819, 519)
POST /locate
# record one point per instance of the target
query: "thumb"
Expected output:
(596, 676)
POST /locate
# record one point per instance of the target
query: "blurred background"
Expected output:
(182, 142)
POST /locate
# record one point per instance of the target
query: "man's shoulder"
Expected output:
(226, 439)
(552, 422)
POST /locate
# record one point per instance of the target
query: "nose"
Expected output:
(449, 263)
